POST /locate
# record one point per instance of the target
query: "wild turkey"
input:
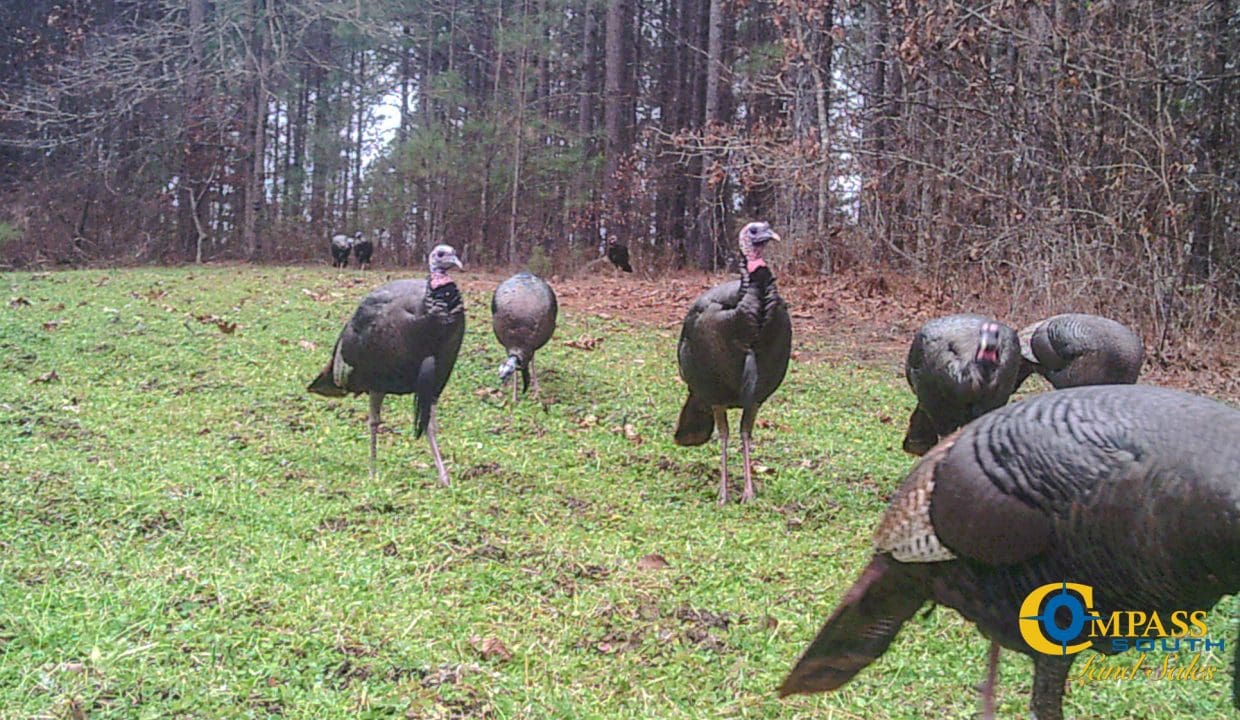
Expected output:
(733, 352)
(403, 338)
(341, 246)
(523, 312)
(363, 248)
(1134, 490)
(959, 367)
(1079, 349)
(618, 254)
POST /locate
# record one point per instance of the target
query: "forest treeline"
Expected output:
(1074, 153)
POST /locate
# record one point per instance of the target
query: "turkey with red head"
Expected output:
(733, 353)
(959, 367)
(403, 338)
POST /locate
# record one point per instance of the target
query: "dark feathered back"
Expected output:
(363, 249)
(523, 313)
(618, 254)
(1078, 349)
(341, 245)
(404, 338)
(733, 351)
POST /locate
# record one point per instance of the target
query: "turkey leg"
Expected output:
(430, 434)
(376, 406)
(1050, 672)
(748, 415)
(988, 685)
(721, 424)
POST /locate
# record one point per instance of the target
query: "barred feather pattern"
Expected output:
(905, 530)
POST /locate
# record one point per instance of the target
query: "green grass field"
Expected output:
(186, 532)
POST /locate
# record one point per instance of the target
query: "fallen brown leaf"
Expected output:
(585, 342)
(53, 325)
(225, 326)
(47, 377)
(19, 302)
(308, 345)
(653, 561)
(490, 648)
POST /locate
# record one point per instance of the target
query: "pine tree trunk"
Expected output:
(874, 178)
(706, 228)
(617, 116)
(522, 65)
(1208, 226)
(323, 165)
(191, 186)
(255, 178)
(359, 141)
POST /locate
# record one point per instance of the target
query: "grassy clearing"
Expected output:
(184, 531)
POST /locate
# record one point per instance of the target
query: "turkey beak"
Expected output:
(988, 345)
(455, 261)
(506, 369)
(767, 236)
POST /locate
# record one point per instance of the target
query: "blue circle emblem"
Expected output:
(1076, 623)
(1077, 617)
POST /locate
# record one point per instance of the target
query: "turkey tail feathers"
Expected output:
(749, 379)
(324, 384)
(424, 396)
(867, 619)
(696, 423)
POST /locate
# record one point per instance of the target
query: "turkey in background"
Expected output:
(1077, 349)
(523, 314)
(959, 367)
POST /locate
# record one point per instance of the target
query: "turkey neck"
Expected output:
(758, 283)
(442, 296)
